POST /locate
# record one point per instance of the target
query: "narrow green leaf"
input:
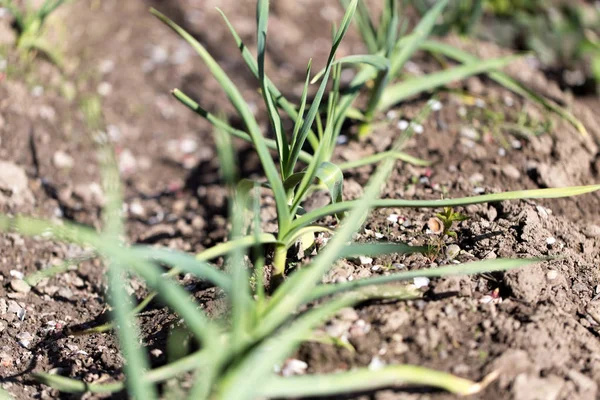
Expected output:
(377, 249)
(262, 17)
(401, 91)
(471, 268)
(411, 43)
(332, 177)
(253, 67)
(504, 80)
(220, 124)
(363, 379)
(375, 158)
(551, 193)
(257, 366)
(314, 108)
(243, 110)
(376, 61)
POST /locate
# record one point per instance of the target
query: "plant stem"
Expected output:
(279, 259)
(380, 83)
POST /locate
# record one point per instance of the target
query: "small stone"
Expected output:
(417, 128)
(2, 326)
(62, 160)
(16, 274)
(24, 339)
(592, 231)
(510, 171)
(20, 286)
(293, 366)
(552, 275)
(393, 218)
(65, 293)
(127, 162)
(476, 178)
(403, 125)
(452, 251)
(104, 89)
(365, 260)
(376, 364)
(137, 209)
(421, 282)
(469, 133)
(13, 307)
(550, 241)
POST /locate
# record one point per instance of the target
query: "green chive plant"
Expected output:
(292, 182)
(30, 23)
(385, 39)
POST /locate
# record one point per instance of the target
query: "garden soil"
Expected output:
(537, 326)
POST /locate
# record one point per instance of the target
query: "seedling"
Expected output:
(30, 24)
(386, 39)
(448, 217)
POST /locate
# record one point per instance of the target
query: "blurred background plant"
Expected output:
(30, 23)
(564, 36)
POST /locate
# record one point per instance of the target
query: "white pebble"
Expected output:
(62, 160)
(16, 274)
(417, 128)
(435, 105)
(365, 260)
(393, 218)
(421, 282)
(294, 367)
(550, 241)
(552, 275)
(403, 125)
(104, 89)
(376, 364)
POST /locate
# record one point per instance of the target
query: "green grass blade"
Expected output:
(114, 230)
(299, 234)
(220, 124)
(375, 158)
(504, 80)
(257, 366)
(551, 193)
(185, 263)
(35, 278)
(332, 177)
(365, 26)
(363, 379)
(314, 108)
(471, 268)
(280, 99)
(377, 249)
(68, 385)
(193, 361)
(244, 242)
(262, 17)
(401, 91)
(376, 61)
(421, 32)
(300, 117)
(243, 110)
(128, 333)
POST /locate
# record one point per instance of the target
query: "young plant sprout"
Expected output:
(291, 183)
(386, 39)
(30, 23)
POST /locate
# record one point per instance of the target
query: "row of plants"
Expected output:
(269, 318)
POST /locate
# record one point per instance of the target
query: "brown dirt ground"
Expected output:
(543, 335)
